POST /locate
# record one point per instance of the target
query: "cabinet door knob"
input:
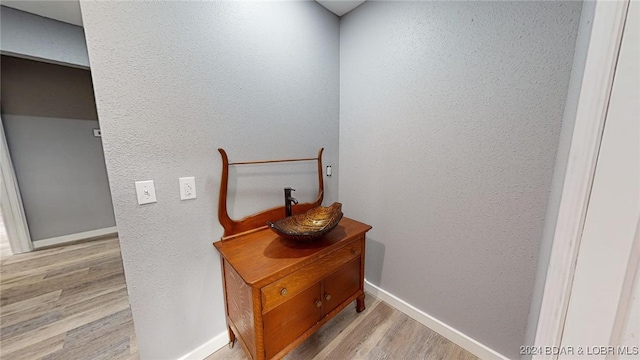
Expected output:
(318, 303)
(283, 292)
(327, 297)
(353, 251)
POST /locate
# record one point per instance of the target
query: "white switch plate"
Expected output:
(187, 188)
(146, 192)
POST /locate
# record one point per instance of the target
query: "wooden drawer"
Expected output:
(284, 289)
(288, 321)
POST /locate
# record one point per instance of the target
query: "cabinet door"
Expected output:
(340, 285)
(290, 319)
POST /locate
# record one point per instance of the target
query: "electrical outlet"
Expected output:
(187, 188)
(146, 192)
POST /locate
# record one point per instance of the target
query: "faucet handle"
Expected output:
(289, 189)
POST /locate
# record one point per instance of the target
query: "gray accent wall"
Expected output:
(259, 79)
(49, 114)
(450, 118)
(61, 172)
(35, 37)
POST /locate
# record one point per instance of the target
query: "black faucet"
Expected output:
(288, 200)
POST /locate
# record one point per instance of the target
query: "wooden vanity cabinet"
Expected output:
(278, 293)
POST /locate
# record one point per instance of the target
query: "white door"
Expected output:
(602, 318)
(15, 221)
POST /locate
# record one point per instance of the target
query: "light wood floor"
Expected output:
(71, 302)
(380, 332)
(68, 302)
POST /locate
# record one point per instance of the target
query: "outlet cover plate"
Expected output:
(187, 188)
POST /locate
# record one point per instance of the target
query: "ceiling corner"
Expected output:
(340, 7)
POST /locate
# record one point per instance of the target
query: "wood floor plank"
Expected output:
(103, 300)
(20, 278)
(112, 351)
(436, 347)
(28, 304)
(421, 341)
(397, 341)
(33, 280)
(52, 256)
(30, 324)
(89, 261)
(98, 285)
(54, 303)
(28, 315)
(98, 336)
(68, 282)
(100, 289)
(458, 353)
(55, 261)
(366, 335)
(37, 350)
(62, 326)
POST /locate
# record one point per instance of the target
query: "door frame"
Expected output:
(602, 55)
(11, 206)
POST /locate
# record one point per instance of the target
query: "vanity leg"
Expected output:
(360, 303)
(232, 338)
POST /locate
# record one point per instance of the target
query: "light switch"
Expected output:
(187, 188)
(146, 192)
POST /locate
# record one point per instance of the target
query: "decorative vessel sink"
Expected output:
(309, 226)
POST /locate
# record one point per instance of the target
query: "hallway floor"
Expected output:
(68, 302)
(71, 302)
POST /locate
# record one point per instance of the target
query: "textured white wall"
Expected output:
(450, 114)
(258, 79)
(35, 37)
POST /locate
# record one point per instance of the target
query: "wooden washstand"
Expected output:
(278, 292)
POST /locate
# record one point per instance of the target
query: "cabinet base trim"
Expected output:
(218, 342)
(459, 338)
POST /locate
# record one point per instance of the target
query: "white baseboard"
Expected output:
(74, 237)
(473, 346)
(208, 348)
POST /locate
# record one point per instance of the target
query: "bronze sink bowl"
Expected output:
(309, 226)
